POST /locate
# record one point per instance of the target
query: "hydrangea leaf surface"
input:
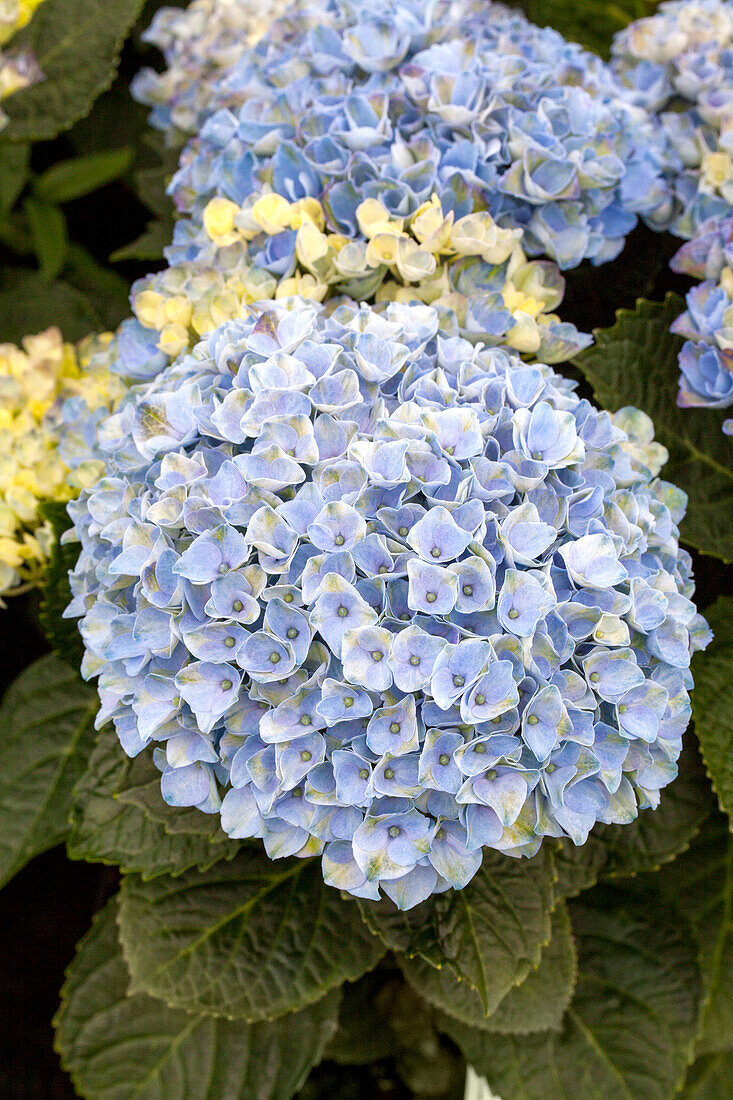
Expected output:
(176, 1053)
(629, 1028)
(248, 939)
(77, 48)
(47, 725)
(713, 705)
(700, 884)
(536, 1004)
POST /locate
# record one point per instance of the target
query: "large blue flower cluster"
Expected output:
(467, 101)
(395, 595)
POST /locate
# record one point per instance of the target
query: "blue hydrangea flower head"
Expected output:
(337, 106)
(375, 592)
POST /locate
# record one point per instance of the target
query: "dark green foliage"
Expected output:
(46, 732)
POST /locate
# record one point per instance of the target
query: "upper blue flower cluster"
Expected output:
(396, 595)
(678, 64)
(466, 101)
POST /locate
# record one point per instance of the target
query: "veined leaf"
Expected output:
(120, 1047)
(489, 935)
(537, 1004)
(627, 1033)
(249, 939)
(46, 734)
(712, 702)
(77, 44)
(700, 884)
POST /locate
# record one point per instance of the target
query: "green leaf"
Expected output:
(149, 245)
(78, 176)
(709, 1078)
(110, 822)
(489, 935)
(249, 939)
(14, 173)
(578, 866)
(61, 634)
(30, 304)
(700, 885)
(635, 363)
(658, 836)
(537, 1004)
(50, 241)
(712, 702)
(46, 732)
(627, 1033)
(107, 291)
(120, 1047)
(77, 44)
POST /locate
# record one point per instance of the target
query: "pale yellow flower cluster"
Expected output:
(184, 303)
(34, 382)
(394, 259)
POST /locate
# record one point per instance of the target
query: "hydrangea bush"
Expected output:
(399, 596)
(375, 639)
